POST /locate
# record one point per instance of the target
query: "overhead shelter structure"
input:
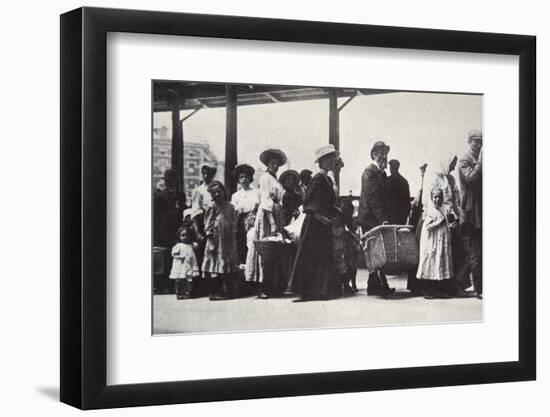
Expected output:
(175, 96)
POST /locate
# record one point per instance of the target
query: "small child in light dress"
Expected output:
(185, 268)
(435, 267)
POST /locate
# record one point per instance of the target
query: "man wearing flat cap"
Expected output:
(374, 207)
(469, 170)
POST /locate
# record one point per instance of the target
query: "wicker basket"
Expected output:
(391, 248)
(269, 249)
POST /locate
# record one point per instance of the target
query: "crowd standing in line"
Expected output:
(212, 250)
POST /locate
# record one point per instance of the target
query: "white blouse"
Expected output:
(271, 191)
(246, 201)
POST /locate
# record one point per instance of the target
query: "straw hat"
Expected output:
(325, 150)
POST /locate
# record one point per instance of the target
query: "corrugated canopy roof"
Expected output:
(191, 95)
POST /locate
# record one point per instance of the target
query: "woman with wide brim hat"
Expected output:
(269, 219)
(273, 154)
(313, 276)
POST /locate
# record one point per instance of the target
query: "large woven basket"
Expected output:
(391, 248)
(269, 249)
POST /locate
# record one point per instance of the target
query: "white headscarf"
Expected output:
(439, 178)
(443, 170)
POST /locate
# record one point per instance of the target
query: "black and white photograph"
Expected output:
(274, 209)
(284, 207)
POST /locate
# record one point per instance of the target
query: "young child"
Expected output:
(185, 268)
(346, 249)
(435, 267)
(339, 251)
(220, 259)
(351, 255)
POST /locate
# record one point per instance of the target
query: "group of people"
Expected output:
(214, 251)
(447, 229)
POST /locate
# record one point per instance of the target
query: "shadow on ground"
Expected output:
(50, 392)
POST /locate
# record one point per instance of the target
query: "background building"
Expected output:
(162, 154)
(194, 155)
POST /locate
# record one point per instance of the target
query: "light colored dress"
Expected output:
(271, 197)
(200, 200)
(246, 203)
(435, 262)
(184, 264)
(220, 226)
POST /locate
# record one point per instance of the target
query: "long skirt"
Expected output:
(313, 275)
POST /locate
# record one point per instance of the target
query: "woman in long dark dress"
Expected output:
(313, 276)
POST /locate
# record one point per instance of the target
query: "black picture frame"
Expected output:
(84, 207)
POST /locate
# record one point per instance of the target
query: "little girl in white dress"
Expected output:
(435, 267)
(185, 268)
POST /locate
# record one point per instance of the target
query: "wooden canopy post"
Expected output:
(177, 146)
(334, 123)
(230, 137)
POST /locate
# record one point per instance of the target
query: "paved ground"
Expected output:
(201, 315)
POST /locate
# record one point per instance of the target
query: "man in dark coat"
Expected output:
(399, 195)
(374, 208)
(469, 170)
